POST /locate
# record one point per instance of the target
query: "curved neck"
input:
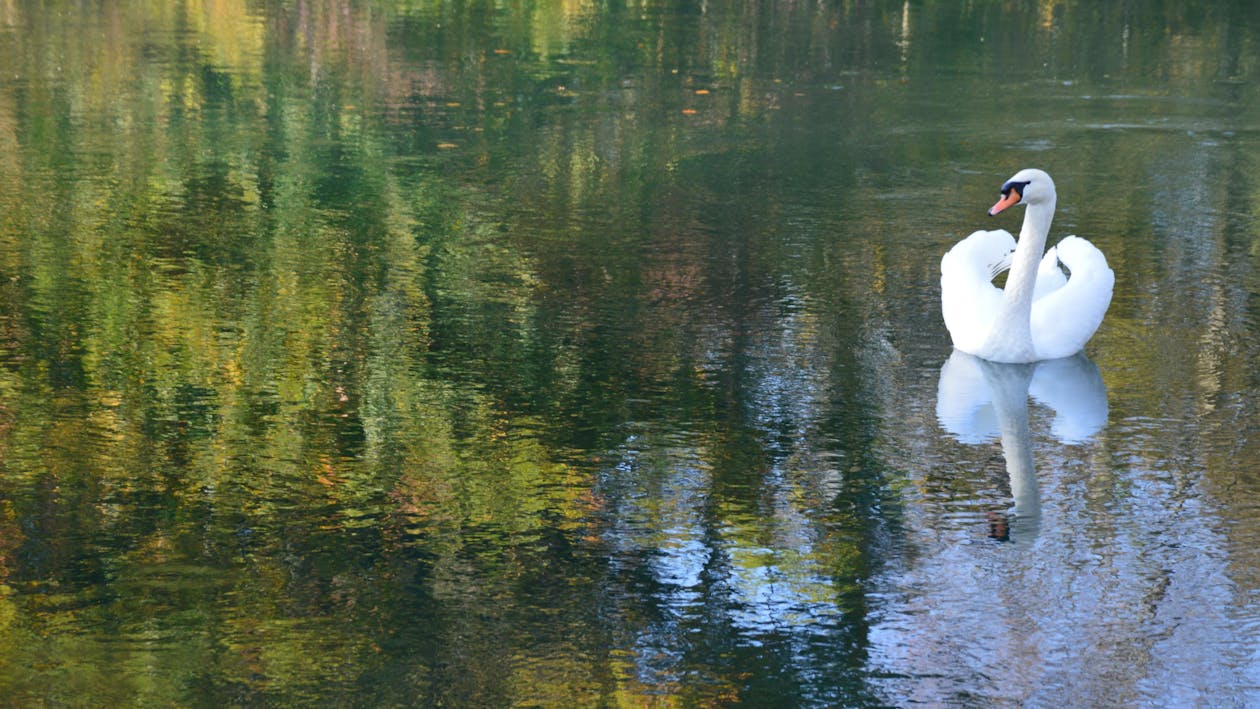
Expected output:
(1012, 327)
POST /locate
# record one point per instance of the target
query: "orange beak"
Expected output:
(1009, 199)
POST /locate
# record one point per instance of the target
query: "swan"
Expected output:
(1041, 314)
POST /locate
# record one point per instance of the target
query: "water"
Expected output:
(562, 354)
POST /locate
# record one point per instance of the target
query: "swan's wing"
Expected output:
(1064, 320)
(1050, 277)
(969, 300)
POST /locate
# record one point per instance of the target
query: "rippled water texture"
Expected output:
(581, 354)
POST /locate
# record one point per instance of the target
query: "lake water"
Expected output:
(590, 354)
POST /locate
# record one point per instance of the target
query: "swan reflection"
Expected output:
(978, 401)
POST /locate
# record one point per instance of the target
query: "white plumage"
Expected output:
(1041, 313)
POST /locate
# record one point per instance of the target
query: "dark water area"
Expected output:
(582, 354)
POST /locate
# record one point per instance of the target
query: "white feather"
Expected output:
(1042, 313)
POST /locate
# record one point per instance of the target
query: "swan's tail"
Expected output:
(1050, 277)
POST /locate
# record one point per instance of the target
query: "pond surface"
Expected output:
(590, 354)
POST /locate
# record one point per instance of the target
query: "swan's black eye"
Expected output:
(1013, 185)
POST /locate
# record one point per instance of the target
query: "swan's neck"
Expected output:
(1010, 339)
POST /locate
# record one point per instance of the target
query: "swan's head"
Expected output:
(1029, 186)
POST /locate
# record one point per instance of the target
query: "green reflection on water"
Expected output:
(482, 354)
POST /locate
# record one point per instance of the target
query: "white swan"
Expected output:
(1041, 314)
